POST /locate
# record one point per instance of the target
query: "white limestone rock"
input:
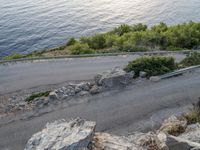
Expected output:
(63, 135)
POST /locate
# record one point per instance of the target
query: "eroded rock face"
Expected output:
(62, 135)
(148, 141)
(113, 78)
(192, 133)
(105, 141)
(176, 143)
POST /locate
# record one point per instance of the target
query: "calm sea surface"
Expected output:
(27, 25)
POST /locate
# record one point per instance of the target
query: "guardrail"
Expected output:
(179, 72)
(97, 55)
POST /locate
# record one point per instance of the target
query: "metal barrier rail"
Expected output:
(96, 55)
(179, 72)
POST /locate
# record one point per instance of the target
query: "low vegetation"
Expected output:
(14, 56)
(193, 116)
(139, 37)
(153, 66)
(130, 38)
(79, 48)
(191, 60)
(33, 96)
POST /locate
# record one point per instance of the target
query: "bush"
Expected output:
(153, 66)
(71, 41)
(78, 48)
(191, 60)
(34, 96)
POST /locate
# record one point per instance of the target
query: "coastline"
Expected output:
(125, 38)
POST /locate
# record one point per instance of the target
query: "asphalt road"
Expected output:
(116, 111)
(20, 76)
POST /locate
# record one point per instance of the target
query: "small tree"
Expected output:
(71, 41)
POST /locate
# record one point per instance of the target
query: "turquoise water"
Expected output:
(27, 25)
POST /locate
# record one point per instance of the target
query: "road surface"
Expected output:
(22, 76)
(117, 111)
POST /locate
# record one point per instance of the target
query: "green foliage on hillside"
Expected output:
(71, 41)
(131, 38)
(14, 56)
(79, 48)
(153, 66)
(139, 37)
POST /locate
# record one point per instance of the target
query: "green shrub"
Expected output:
(191, 60)
(79, 48)
(14, 56)
(34, 96)
(124, 28)
(153, 66)
(71, 41)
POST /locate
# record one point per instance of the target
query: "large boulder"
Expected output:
(62, 135)
(113, 78)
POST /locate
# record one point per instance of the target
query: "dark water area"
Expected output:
(27, 25)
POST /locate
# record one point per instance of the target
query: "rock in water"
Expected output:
(113, 78)
(62, 135)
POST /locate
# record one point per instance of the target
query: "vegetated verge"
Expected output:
(153, 66)
(37, 95)
(158, 65)
(128, 38)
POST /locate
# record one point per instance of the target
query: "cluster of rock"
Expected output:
(113, 78)
(109, 79)
(79, 134)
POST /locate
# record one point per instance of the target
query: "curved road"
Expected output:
(117, 111)
(20, 76)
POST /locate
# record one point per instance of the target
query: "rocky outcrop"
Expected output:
(62, 135)
(79, 134)
(192, 133)
(113, 78)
